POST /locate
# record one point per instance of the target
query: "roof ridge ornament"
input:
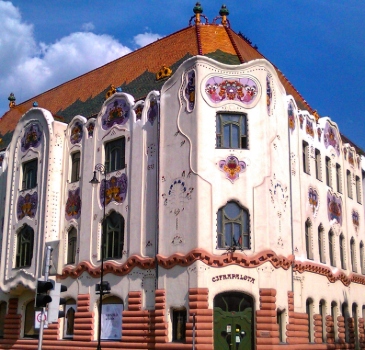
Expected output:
(164, 72)
(223, 13)
(198, 10)
(12, 99)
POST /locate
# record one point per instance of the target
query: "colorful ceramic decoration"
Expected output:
(27, 205)
(334, 207)
(356, 219)
(351, 157)
(138, 110)
(268, 93)
(152, 111)
(301, 120)
(90, 130)
(291, 117)
(115, 189)
(309, 128)
(76, 133)
(117, 112)
(32, 137)
(73, 205)
(190, 91)
(313, 199)
(330, 138)
(319, 133)
(221, 89)
(232, 167)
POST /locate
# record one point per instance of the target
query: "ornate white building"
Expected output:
(228, 204)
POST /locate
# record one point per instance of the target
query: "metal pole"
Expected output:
(43, 313)
(102, 171)
(193, 331)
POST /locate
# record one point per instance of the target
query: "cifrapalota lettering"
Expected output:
(233, 277)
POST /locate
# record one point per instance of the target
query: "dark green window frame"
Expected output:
(231, 131)
(233, 227)
(115, 155)
(30, 174)
(25, 241)
(113, 237)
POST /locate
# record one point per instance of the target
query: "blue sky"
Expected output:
(317, 44)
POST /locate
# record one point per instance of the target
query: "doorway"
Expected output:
(233, 321)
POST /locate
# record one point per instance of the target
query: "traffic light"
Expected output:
(42, 296)
(54, 312)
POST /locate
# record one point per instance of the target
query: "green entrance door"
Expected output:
(233, 322)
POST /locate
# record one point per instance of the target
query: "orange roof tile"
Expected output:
(193, 40)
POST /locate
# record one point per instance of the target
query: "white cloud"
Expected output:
(88, 27)
(146, 38)
(29, 68)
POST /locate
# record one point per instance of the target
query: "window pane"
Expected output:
(226, 136)
(232, 210)
(235, 140)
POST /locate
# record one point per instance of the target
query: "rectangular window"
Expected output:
(318, 164)
(328, 172)
(280, 319)
(178, 325)
(362, 258)
(305, 157)
(75, 167)
(338, 178)
(115, 155)
(231, 131)
(358, 189)
(349, 184)
(30, 174)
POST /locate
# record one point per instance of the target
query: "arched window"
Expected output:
(29, 330)
(362, 257)
(308, 239)
(322, 311)
(305, 150)
(356, 324)
(233, 227)
(334, 314)
(24, 252)
(342, 252)
(349, 183)
(322, 257)
(346, 315)
(331, 247)
(71, 246)
(69, 320)
(353, 254)
(113, 236)
(309, 311)
(112, 326)
(2, 317)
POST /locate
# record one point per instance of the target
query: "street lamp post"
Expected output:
(103, 287)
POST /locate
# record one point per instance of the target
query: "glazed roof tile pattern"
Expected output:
(140, 67)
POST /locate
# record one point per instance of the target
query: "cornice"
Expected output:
(226, 259)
